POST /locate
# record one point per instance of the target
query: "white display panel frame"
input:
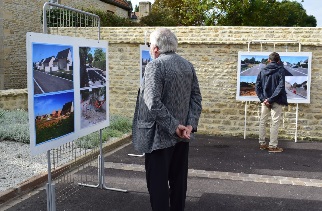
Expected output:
(295, 75)
(96, 90)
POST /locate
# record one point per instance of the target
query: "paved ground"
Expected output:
(224, 174)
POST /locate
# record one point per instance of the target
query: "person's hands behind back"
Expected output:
(184, 131)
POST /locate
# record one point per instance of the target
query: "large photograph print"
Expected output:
(67, 89)
(297, 67)
(145, 58)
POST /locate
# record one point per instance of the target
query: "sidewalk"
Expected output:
(224, 174)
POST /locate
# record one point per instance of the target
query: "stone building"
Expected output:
(144, 10)
(19, 17)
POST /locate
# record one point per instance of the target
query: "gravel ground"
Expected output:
(17, 164)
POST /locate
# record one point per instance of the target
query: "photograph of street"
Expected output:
(92, 67)
(93, 106)
(297, 74)
(52, 67)
(54, 115)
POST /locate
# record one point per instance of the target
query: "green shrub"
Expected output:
(120, 123)
(118, 126)
(14, 126)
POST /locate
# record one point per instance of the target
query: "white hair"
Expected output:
(164, 39)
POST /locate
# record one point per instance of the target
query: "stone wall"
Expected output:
(13, 99)
(17, 17)
(214, 53)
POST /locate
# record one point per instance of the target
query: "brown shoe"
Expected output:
(263, 146)
(275, 149)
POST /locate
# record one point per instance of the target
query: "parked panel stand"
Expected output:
(50, 188)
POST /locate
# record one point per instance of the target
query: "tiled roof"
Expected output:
(119, 3)
(122, 2)
(47, 60)
(63, 54)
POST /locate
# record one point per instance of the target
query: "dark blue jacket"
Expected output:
(270, 84)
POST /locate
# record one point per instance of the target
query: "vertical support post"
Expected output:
(101, 164)
(245, 122)
(296, 121)
(145, 33)
(50, 188)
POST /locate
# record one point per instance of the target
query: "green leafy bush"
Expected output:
(118, 126)
(14, 126)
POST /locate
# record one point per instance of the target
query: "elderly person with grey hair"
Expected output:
(167, 113)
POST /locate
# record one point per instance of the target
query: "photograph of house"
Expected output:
(54, 116)
(58, 61)
(52, 67)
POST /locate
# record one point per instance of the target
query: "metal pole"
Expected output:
(245, 122)
(296, 120)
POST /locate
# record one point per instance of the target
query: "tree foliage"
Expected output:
(229, 13)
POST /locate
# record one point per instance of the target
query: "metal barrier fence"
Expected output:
(80, 155)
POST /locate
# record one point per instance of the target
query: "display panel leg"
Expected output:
(296, 120)
(101, 174)
(245, 122)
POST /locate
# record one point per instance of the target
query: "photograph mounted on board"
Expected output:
(145, 58)
(67, 89)
(93, 106)
(297, 66)
(54, 116)
(52, 67)
(92, 66)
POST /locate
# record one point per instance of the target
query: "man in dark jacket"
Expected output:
(270, 89)
(166, 114)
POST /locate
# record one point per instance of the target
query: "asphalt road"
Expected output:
(238, 163)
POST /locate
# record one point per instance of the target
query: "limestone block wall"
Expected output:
(13, 99)
(17, 17)
(214, 53)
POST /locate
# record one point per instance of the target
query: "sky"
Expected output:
(312, 7)
(43, 51)
(49, 103)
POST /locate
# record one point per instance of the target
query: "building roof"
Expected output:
(119, 3)
(63, 54)
(47, 60)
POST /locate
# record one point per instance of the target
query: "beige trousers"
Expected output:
(276, 114)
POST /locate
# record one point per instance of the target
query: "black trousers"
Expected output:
(166, 176)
